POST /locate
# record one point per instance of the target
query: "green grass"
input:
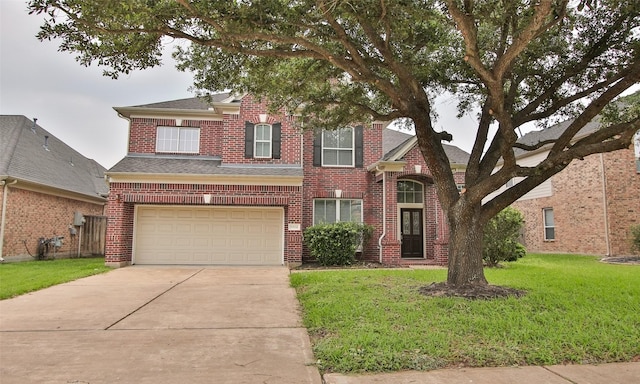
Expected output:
(576, 310)
(23, 277)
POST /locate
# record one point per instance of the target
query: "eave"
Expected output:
(215, 113)
(32, 186)
(212, 179)
(382, 166)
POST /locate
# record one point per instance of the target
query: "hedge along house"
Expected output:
(223, 181)
(45, 188)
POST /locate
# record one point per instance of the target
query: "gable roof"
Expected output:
(23, 156)
(210, 107)
(405, 142)
(552, 133)
(202, 103)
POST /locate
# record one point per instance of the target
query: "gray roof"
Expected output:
(393, 141)
(201, 165)
(24, 157)
(552, 133)
(198, 103)
(456, 155)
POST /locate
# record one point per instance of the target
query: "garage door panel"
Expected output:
(208, 235)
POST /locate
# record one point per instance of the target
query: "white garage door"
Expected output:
(208, 235)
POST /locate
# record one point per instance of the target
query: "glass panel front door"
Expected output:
(412, 238)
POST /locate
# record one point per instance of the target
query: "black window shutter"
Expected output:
(248, 140)
(359, 147)
(317, 148)
(276, 139)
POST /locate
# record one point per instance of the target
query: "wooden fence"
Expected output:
(94, 236)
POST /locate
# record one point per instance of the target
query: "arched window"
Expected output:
(409, 192)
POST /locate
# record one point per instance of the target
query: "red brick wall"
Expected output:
(227, 140)
(250, 110)
(355, 183)
(223, 138)
(31, 215)
(143, 131)
(124, 196)
(578, 202)
(436, 230)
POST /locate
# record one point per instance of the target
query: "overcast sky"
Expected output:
(75, 103)
(72, 102)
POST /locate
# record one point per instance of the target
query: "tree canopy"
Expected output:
(340, 61)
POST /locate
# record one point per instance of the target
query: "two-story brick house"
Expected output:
(226, 182)
(588, 208)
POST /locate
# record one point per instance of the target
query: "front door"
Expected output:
(412, 239)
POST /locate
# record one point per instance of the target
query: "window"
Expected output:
(549, 224)
(178, 140)
(262, 140)
(338, 148)
(334, 210)
(409, 192)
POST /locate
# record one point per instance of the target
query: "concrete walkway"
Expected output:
(159, 325)
(617, 373)
(202, 325)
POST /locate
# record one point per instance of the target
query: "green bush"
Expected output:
(337, 243)
(500, 242)
(635, 238)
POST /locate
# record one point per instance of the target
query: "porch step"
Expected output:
(420, 262)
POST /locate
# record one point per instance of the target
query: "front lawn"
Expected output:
(22, 277)
(576, 310)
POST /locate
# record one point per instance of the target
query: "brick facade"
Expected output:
(32, 214)
(595, 203)
(222, 135)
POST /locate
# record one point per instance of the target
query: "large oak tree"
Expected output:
(338, 61)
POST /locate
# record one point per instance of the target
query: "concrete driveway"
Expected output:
(159, 325)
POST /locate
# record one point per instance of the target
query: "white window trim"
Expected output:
(545, 226)
(338, 209)
(180, 130)
(352, 149)
(256, 141)
(412, 181)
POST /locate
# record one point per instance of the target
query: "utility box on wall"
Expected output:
(78, 219)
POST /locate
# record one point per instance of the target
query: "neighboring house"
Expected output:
(225, 182)
(44, 186)
(588, 208)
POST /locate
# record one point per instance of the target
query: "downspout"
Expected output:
(604, 204)
(384, 212)
(4, 213)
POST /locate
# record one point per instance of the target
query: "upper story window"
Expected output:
(178, 139)
(329, 211)
(338, 147)
(262, 141)
(409, 192)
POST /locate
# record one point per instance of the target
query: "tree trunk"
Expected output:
(465, 248)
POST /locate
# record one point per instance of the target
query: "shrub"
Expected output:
(337, 243)
(500, 242)
(635, 238)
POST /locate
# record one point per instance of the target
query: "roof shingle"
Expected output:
(23, 156)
